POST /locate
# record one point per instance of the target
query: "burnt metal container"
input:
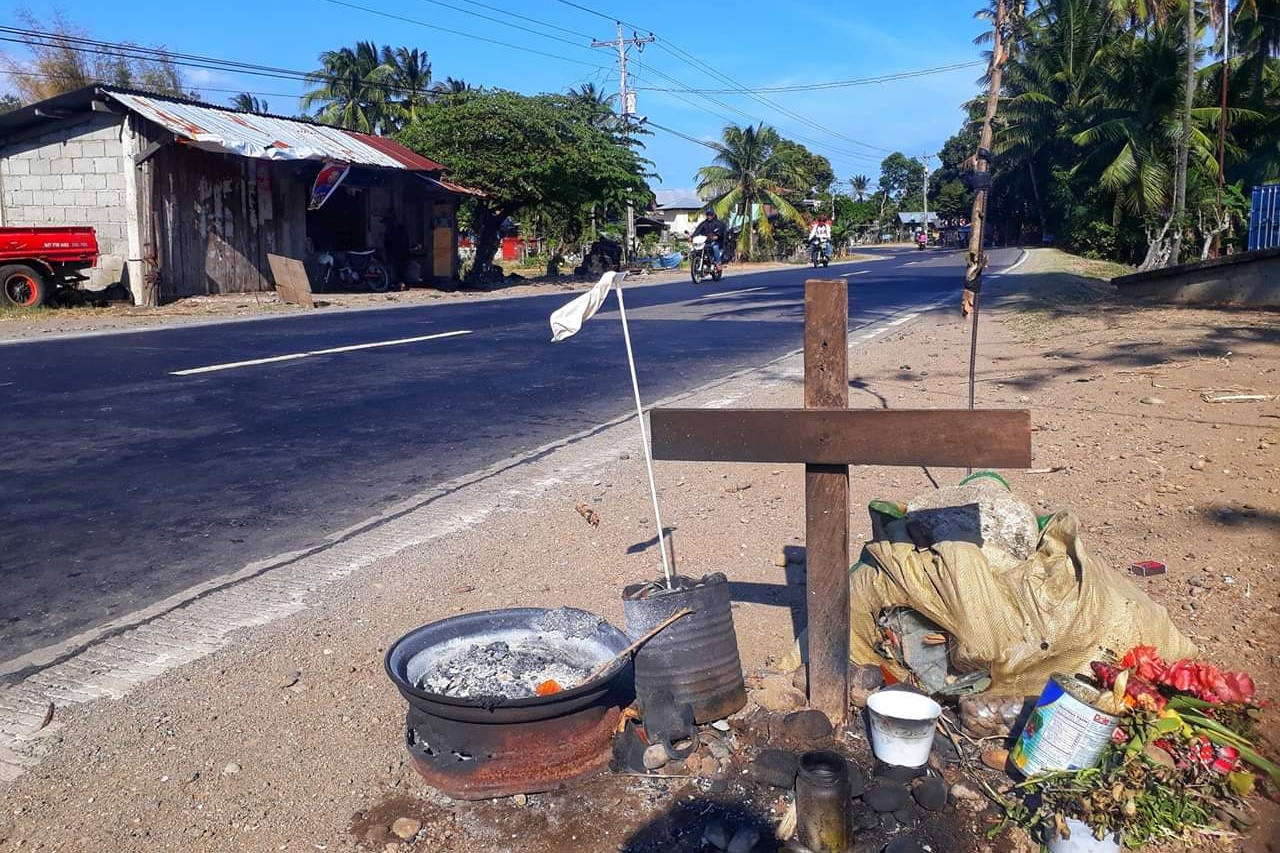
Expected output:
(474, 749)
(695, 658)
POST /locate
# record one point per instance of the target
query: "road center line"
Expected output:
(732, 292)
(859, 272)
(232, 365)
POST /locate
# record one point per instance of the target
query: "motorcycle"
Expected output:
(702, 262)
(348, 269)
(920, 243)
(819, 252)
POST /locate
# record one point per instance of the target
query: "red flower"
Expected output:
(1209, 683)
(1146, 661)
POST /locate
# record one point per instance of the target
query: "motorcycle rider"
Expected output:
(713, 229)
(821, 231)
(923, 239)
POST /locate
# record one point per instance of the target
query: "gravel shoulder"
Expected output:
(285, 737)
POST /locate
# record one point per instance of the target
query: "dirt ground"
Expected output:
(291, 737)
(45, 322)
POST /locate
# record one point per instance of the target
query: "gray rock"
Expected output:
(931, 794)
(776, 767)
(744, 840)
(903, 844)
(867, 821)
(655, 757)
(907, 818)
(982, 512)
(895, 773)
(808, 727)
(716, 836)
(888, 823)
(857, 780)
(886, 798)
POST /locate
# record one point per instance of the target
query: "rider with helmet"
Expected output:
(713, 229)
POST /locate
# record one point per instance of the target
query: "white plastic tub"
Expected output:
(902, 725)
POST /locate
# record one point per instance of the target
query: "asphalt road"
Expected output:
(123, 484)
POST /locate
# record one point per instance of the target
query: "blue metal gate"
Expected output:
(1264, 218)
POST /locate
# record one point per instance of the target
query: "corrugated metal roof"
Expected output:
(264, 137)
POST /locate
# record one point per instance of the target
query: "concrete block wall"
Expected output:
(72, 176)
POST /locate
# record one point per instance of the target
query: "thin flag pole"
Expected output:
(644, 434)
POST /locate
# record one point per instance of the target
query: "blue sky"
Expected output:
(751, 42)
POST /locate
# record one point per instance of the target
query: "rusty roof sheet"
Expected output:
(265, 137)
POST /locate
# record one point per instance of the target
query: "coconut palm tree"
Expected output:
(860, 184)
(597, 104)
(451, 89)
(352, 88)
(410, 82)
(246, 103)
(747, 173)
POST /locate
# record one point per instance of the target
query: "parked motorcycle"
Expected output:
(354, 269)
(819, 252)
(702, 262)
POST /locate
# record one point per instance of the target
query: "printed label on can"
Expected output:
(1062, 732)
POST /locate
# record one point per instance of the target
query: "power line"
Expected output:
(835, 84)
(679, 53)
(503, 22)
(508, 45)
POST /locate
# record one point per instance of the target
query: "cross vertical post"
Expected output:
(826, 489)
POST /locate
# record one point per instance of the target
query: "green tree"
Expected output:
(9, 103)
(537, 157)
(451, 90)
(352, 89)
(748, 173)
(247, 103)
(815, 172)
(859, 184)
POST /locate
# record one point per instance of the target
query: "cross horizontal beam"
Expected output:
(952, 438)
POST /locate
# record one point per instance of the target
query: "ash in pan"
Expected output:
(510, 670)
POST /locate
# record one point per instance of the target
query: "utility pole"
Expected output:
(924, 159)
(1184, 142)
(626, 110)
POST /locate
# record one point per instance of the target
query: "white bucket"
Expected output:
(902, 726)
(1081, 840)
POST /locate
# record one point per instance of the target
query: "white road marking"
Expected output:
(859, 272)
(732, 292)
(901, 320)
(232, 365)
(910, 263)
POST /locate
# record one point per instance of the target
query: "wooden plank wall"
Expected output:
(218, 218)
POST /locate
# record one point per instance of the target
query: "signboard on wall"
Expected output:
(331, 175)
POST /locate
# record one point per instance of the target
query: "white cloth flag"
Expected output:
(568, 319)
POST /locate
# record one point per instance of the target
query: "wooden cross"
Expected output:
(827, 436)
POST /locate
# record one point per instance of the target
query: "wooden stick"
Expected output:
(657, 629)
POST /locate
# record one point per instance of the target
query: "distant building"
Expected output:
(679, 211)
(915, 219)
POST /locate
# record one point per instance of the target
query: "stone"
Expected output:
(715, 835)
(1004, 526)
(744, 840)
(866, 821)
(776, 767)
(996, 759)
(864, 680)
(1198, 465)
(1151, 401)
(808, 727)
(780, 560)
(655, 757)
(886, 798)
(405, 828)
(907, 818)
(961, 791)
(903, 844)
(718, 750)
(231, 769)
(857, 779)
(777, 696)
(520, 799)
(895, 773)
(720, 725)
(888, 823)
(931, 794)
(718, 786)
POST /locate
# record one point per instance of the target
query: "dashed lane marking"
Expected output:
(233, 365)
